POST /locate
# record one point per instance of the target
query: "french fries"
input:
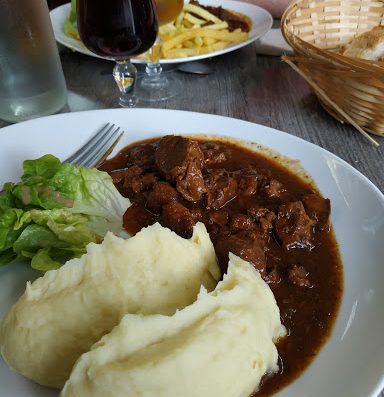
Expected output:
(196, 31)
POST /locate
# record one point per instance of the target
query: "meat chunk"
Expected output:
(180, 160)
(131, 172)
(214, 153)
(197, 214)
(217, 225)
(216, 232)
(221, 188)
(162, 193)
(299, 276)
(264, 217)
(246, 245)
(240, 222)
(148, 181)
(135, 180)
(248, 185)
(272, 277)
(218, 217)
(130, 184)
(293, 226)
(142, 155)
(318, 209)
(233, 20)
(275, 189)
(178, 218)
(136, 217)
(192, 186)
(118, 175)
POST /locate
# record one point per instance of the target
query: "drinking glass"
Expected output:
(118, 29)
(32, 82)
(156, 86)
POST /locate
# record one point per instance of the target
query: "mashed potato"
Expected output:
(62, 314)
(221, 345)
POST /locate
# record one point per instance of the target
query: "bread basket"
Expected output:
(350, 89)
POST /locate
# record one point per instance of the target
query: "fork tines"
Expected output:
(97, 148)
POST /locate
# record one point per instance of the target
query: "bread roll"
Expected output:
(368, 45)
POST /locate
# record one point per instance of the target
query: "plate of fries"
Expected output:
(195, 34)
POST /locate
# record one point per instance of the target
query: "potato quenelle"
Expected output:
(62, 314)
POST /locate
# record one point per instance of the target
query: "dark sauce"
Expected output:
(234, 20)
(117, 28)
(307, 313)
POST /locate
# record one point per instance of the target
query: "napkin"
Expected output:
(273, 43)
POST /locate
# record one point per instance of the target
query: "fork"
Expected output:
(97, 148)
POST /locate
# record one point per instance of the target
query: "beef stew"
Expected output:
(254, 207)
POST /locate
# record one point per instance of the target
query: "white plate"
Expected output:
(352, 361)
(261, 23)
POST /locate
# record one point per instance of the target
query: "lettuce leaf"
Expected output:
(70, 24)
(11, 226)
(55, 211)
(72, 15)
(43, 260)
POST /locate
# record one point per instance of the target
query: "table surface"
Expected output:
(244, 85)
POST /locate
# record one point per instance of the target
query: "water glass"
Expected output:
(32, 83)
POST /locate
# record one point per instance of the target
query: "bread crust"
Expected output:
(368, 45)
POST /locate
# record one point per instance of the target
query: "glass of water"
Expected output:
(32, 83)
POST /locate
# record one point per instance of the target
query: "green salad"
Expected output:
(55, 211)
(70, 24)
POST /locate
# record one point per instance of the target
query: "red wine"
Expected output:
(117, 28)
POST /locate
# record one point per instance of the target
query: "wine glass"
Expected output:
(118, 29)
(155, 86)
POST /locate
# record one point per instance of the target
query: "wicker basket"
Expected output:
(350, 89)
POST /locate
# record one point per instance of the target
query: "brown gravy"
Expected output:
(307, 311)
(234, 20)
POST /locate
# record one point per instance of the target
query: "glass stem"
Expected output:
(153, 68)
(125, 76)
